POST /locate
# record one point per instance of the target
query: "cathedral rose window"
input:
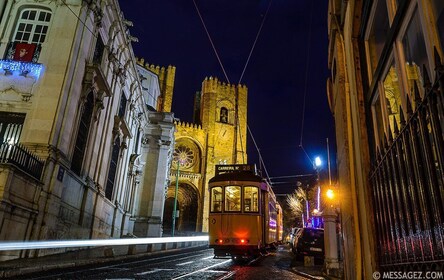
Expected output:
(184, 155)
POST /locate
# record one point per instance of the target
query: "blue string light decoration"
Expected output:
(24, 68)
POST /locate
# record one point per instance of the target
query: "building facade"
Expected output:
(86, 144)
(217, 136)
(386, 94)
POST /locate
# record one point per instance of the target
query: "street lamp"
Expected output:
(318, 162)
(330, 235)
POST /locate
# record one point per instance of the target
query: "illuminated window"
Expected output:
(82, 135)
(232, 198)
(392, 95)
(216, 199)
(251, 195)
(31, 29)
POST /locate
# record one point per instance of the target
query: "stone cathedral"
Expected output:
(216, 136)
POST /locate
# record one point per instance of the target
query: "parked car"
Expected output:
(309, 242)
(294, 231)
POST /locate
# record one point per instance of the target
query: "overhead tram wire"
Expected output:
(246, 64)
(261, 161)
(211, 41)
(306, 82)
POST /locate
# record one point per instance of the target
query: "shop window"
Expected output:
(31, 29)
(251, 196)
(216, 199)
(232, 198)
(82, 135)
(377, 34)
(414, 52)
(392, 95)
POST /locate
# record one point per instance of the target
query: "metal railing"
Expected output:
(408, 183)
(19, 156)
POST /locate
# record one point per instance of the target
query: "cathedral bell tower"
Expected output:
(223, 115)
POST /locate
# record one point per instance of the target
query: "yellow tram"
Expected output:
(244, 216)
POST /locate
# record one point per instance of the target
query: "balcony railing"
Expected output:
(19, 156)
(408, 183)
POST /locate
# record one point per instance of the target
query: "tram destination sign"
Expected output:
(233, 168)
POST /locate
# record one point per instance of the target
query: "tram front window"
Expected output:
(216, 199)
(232, 198)
(250, 199)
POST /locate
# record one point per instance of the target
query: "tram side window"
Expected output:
(232, 198)
(216, 199)
(251, 196)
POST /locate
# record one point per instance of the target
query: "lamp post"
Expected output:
(175, 197)
(317, 166)
(331, 265)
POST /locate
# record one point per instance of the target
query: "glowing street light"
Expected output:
(318, 162)
(330, 194)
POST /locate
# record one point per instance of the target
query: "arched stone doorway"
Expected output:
(187, 204)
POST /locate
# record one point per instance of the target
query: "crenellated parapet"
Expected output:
(187, 125)
(166, 82)
(211, 84)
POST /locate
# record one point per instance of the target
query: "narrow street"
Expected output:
(199, 264)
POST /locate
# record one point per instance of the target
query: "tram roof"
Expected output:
(238, 176)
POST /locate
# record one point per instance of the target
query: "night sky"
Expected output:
(293, 40)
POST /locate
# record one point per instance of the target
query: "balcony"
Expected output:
(20, 157)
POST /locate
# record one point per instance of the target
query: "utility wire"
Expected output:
(306, 81)
(211, 41)
(255, 40)
(240, 79)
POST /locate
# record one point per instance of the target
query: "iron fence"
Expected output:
(408, 183)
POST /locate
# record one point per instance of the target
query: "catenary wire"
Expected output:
(246, 64)
(255, 40)
(211, 41)
(306, 82)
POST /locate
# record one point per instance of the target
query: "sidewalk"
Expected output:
(91, 256)
(311, 272)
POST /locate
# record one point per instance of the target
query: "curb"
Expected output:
(300, 273)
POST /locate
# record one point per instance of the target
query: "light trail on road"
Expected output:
(29, 245)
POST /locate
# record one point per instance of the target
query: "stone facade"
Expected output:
(71, 98)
